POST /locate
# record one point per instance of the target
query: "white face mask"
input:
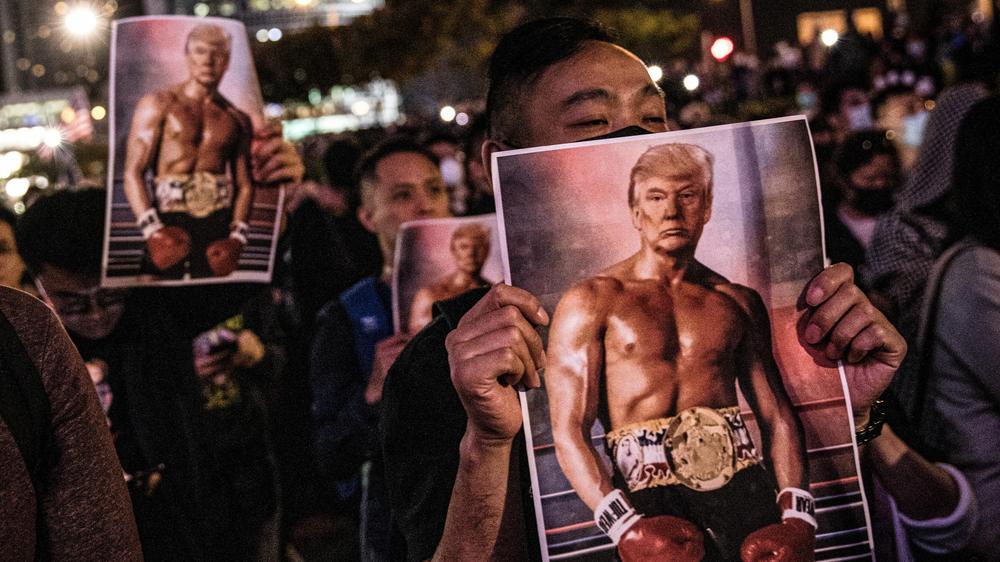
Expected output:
(451, 171)
(913, 128)
(859, 118)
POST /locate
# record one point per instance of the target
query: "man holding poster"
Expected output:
(191, 147)
(654, 346)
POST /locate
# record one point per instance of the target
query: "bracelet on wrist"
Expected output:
(873, 428)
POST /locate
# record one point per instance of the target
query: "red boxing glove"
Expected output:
(663, 537)
(224, 256)
(639, 538)
(792, 540)
(168, 246)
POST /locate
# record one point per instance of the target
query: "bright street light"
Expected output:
(448, 114)
(361, 108)
(81, 21)
(17, 188)
(829, 37)
(691, 82)
(655, 72)
(52, 138)
(721, 48)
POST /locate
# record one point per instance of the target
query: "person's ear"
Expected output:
(635, 212)
(486, 154)
(367, 218)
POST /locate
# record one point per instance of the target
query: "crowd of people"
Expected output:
(293, 420)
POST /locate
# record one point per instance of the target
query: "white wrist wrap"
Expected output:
(239, 231)
(149, 222)
(797, 503)
(615, 515)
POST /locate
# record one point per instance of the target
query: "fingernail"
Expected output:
(544, 360)
(543, 316)
(812, 333)
(814, 296)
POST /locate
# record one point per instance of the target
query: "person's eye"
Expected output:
(401, 195)
(589, 123)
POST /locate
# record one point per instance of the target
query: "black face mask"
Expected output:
(871, 202)
(630, 131)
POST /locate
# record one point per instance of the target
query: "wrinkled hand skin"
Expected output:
(792, 540)
(838, 322)
(224, 256)
(168, 247)
(386, 352)
(664, 537)
(493, 349)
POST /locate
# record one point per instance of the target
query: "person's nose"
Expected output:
(670, 207)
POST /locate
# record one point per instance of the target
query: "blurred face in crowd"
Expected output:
(599, 90)
(407, 187)
(11, 265)
(84, 308)
(870, 187)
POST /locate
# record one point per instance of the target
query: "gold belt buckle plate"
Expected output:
(700, 446)
(201, 195)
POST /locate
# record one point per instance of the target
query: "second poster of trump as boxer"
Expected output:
(183, 206)
(437, 259)
(675, 388)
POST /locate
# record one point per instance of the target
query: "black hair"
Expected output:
(365, 173)
(65, 230)
(830, 96)
(975, 200)
(522, 55)
(339, 161)
(859, 148)
(8, 216)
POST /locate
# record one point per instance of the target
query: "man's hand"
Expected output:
(386, 352)
(838, 322)
(249, 349)
(214, 366)
(274, 160)
(224, 256)
(493, 348)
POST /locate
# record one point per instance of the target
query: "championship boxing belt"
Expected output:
(798, 504)
(239, 230)
(615, 515)
(148, 223)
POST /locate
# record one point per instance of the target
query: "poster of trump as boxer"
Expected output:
(183, 206)
(437, 259)
(677, 403)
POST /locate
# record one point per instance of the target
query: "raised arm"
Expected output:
(762, 385)
(143, 142)
(493, 348)
(242, 177)
(420, 310)
(576, 363)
